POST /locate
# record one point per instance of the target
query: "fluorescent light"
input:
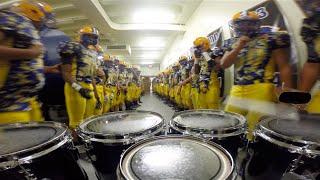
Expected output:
(146, 16)
(150, 55)
(152, 42)
(147, 63)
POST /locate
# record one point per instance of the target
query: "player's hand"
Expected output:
(242, 42)
(55, 69)
(98, 104)
(197, 53)
(100, 73)
(86, 93)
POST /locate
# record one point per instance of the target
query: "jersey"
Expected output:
(99, 64)
(310, 33)
(20, 80)
(83, 60)
(254, 63)
(185, 71)
(111, 74)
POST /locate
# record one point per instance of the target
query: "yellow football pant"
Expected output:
(209, 98)
(194, 98)
(260, 92)
(35, 112)
(100, 91)
(78, 107)
(14, 117)
(108, 99)
(314, 105)
(177, 95)
(185, 95)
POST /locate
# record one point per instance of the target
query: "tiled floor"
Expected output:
(149, 103)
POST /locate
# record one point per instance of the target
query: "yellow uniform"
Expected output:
(20, 80)
(311, 36)
(195, 91)
(186, 89)
(84, 68)
(110, 87)
(100, 88)
(254, 73)
(209, 91)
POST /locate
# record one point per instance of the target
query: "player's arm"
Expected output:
(9, 53)
(230, 57)
(309, 76)
(281, 58)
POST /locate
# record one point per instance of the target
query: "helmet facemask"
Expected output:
(250, 28)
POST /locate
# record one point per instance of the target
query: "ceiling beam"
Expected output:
(96, 13)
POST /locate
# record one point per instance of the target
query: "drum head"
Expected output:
(19, 138)
(305, 129)
(176, 158)
(121, 124)
(208, 122)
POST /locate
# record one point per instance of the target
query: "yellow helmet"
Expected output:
(107, 57)
(245, 23)
(202, 42)
(183, 58)
(245, 15)
(30, 9)
(50, 20)
(176, 64)
(89, 30)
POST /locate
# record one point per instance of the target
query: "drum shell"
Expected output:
(105, 157)
(270, 161)
(120, 175)
(60, 164)
(231, 143)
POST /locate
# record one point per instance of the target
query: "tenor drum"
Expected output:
(285, 146)
(38, 151)
(176, 157)
(224, 128)
(107, 136)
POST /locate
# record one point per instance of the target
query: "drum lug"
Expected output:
(27, 173)
(8, 165)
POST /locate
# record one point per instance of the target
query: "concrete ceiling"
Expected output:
(138, 23)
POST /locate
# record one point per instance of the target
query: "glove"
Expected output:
(98, 105)
(197, 53)
(83, 91)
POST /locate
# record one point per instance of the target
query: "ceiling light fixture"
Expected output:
(152, 42)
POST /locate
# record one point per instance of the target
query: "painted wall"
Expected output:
(147, 70)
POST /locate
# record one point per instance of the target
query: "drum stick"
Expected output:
(280, 110)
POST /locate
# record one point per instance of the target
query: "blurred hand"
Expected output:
(197, 53)
(100, 72)
(242, 42)
(98, 104)
(85, 93)
(55, 69)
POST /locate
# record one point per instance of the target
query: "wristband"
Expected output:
(206, 56)
(76, 86)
